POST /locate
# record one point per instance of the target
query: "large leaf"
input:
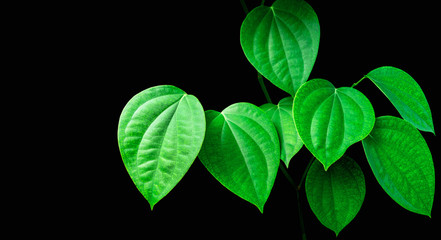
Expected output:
(335, 196)
(281, 42)
(329, 119)
(160, 133)
(241, 150)
(402, 163)
(405, 94)
(281, 116)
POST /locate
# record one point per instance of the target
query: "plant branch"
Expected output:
(262, 85)
(297, 189)
(244, 6)
(286, 174)
(355, 84)
(305, 172)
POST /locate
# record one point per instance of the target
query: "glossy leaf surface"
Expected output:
(241, 150)
(335, 196)
(281, 116)
(160, 133)
(402, 163)
(329, 119)
(405, 94)
(281, 42)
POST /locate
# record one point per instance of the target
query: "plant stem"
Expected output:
(355, 84)
(304, 173)
(244, 6)
(286, 174)
(282, 166)
(262, 85)
(299, 208)
(296, 187)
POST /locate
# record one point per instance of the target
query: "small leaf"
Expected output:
(281, 116)
(329, 119)
(405, 94)
(160, 133)
(335, 196)
(281, 42)
(241, 150)
(402, 163)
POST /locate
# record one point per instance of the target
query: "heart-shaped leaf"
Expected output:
(281, 42)
(402, 163)
(329, 119)
(160, 133)
(281, 116)
(405, 94)
(335, 196)
(241, 150)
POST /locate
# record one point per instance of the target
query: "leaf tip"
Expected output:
(151, 207)
(260, 208)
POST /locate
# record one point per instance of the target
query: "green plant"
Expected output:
(163, 129)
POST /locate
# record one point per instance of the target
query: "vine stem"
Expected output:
(355, 84)
(297, 188)
(282, 166)
(262, 85)
(244, 6)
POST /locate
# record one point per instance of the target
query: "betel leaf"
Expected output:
(405, 94)
(329, 119)
(241, 150)
(335, 196)
(402, 163)
(281, 42)
(281, 116)
(160, 133)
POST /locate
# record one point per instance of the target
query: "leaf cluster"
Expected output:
(163, 129)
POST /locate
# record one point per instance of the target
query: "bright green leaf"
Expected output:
(281, 42)
(281, 116)
(329, 119)
(335, 196)
(402, 163)
(405, 94)
(160, 133)
(241, 150)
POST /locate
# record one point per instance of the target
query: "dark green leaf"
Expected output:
(402, 163)
(281, 116)
(160, 133)
(329, 119)
(241, 150)
(335, 196)
(281, 42)
(405, 94)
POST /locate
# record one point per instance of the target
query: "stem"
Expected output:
(286, 174)
(262, 85)
(355, 84)
(299, 207)
(304, 173)
(282, 165)
(244, 6)
(302, 224)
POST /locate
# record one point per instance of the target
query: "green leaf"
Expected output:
(281, 116)
(405, 94)
(281, 42)
(329, 119)
(402, 163)
(241, 150)
(335, 196)
(160, 133)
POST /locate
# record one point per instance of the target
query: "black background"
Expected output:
(108, 52)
